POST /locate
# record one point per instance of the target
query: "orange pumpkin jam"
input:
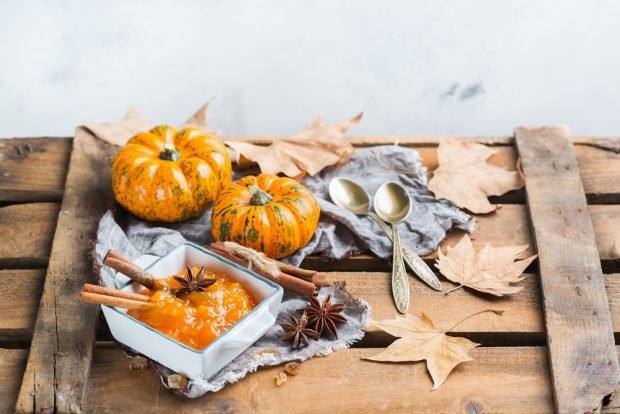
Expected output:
(196, 318)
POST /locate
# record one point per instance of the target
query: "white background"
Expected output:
(414, 67)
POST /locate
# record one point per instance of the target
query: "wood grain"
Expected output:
(599, 169)
(12, 363)
(38, 174)
(584, 364)
(20, 291)
(521, 324)
(33, 169)
(26, 231)
(508, 225)
(60, 354)
(511, 380)
(514, 380)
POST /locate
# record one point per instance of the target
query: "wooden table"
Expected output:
(510, 371)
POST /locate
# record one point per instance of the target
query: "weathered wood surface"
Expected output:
(20, 291)
(33, 169)
(507, 226)
(61, 349)
(26, 234)
(38, 174)
(584, 364)
(521, 324)
(512, 380)
(12, 363)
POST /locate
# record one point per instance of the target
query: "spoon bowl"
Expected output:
(392, 203)
(349, 195)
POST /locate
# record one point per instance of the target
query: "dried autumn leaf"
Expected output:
(420, 340)
(118, 133)
(491, 270)
(465, 178)
(316, 147)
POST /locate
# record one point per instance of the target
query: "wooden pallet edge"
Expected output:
(58, 366)
(583, 360)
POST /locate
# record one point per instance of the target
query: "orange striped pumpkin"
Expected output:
(169, 175)
(271, 214)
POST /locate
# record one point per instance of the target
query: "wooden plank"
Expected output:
(20, 291)
(600, 172)
(61, 350)
(12, 363)
(33, 169)
(509, 225)
(511, 380)
(39, 174)
(584, 364)
(521, 324)
(27, 231)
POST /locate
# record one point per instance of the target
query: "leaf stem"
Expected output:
(495, 311)
(454, 288)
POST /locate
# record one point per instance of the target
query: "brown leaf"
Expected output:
(118, 133)
(314, 148)
(491, 270)
(199, 119)
(419, 340)
(465, 178)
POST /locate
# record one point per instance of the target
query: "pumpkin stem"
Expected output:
(169, 154)
(259, 197)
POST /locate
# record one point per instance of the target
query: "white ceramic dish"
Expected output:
(190, 362)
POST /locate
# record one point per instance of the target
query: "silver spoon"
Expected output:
(392, 204)
(351, 196)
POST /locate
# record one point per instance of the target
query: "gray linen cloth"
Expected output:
(339, 234)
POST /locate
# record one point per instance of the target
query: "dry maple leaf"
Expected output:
(118, 133)
(314, 148)
(419, 340)
(490, 270)
(465, 178)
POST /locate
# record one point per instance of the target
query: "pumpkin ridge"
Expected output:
(298, 218)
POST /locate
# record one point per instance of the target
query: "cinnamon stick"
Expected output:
(124, 265)
(295, 271)
(89, 297)
(287, 281)
(285, 267)
(102, 290)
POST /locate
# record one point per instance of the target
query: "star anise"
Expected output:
(193, 283)
(297, 332)
(324, 315)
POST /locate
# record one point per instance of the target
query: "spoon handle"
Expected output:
(420, 268)
(414, 261)
(400, 283)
